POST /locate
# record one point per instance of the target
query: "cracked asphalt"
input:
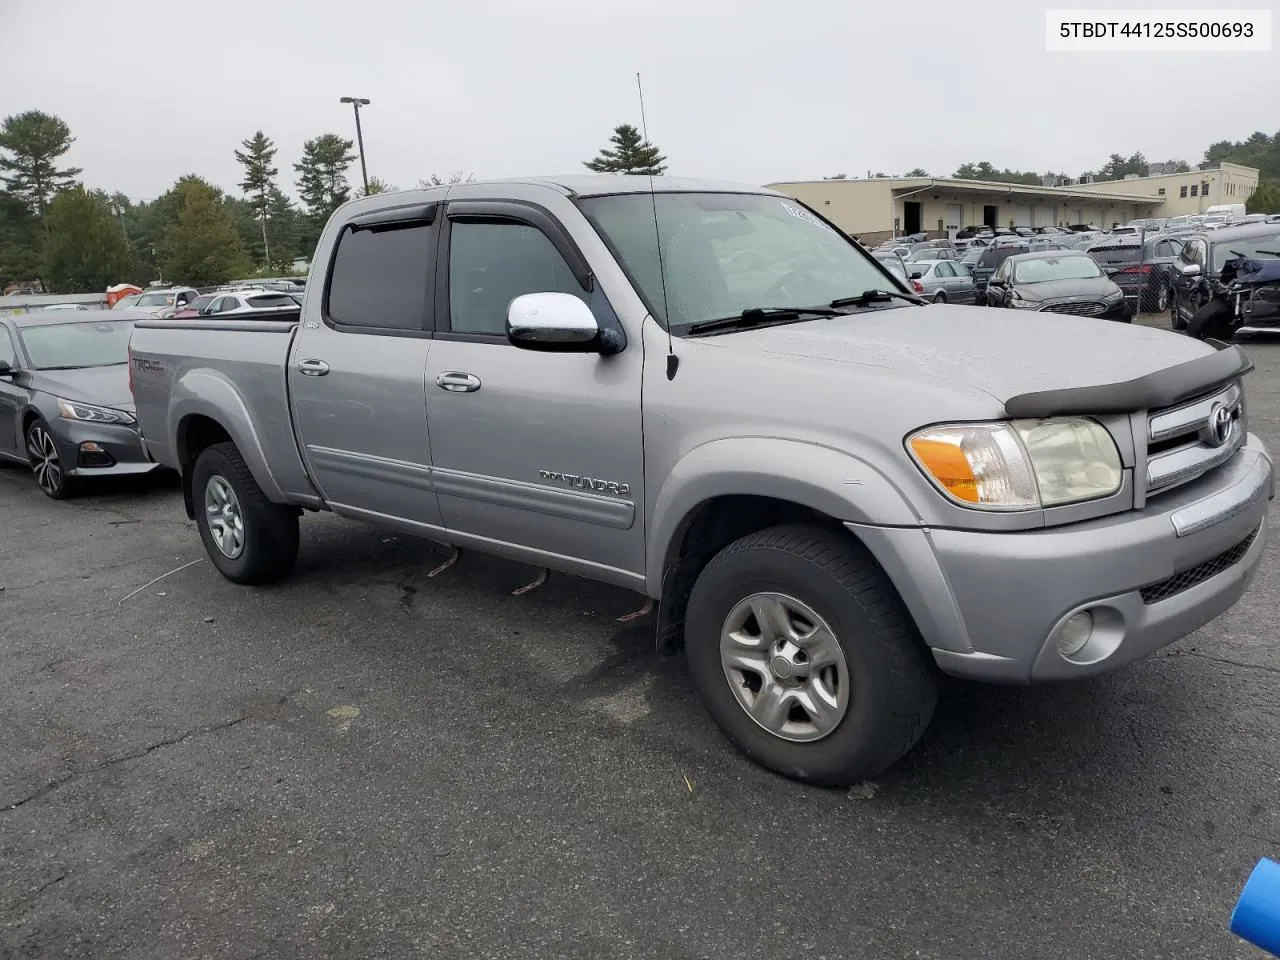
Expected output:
(364, 762)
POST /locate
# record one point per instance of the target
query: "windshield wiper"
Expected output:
(870, 296)
(1270, 253)
(755, 316)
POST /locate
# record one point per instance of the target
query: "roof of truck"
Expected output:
(599, 184)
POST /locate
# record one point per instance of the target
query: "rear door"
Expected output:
(964, 292)
(542, 452)
(358, 366)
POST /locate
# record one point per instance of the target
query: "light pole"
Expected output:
(356, 104)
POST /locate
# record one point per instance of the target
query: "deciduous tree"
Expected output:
(84, 250)
(201, 246)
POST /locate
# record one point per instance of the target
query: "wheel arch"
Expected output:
(728, 489)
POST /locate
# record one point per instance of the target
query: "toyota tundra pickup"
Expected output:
(710, 395)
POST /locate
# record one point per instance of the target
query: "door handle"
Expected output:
(313, 368)
(456, 382)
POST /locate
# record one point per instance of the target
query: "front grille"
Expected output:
(1183, 442)
(1171, 586)
(1087, 308)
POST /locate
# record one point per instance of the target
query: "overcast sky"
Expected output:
(748, 90)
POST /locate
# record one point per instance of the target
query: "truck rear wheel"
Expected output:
(805, 656)
(248, 538)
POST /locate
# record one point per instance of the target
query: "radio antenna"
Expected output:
(673, 362)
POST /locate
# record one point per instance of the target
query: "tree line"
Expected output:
(69, 238)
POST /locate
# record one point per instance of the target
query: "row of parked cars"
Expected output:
(244, 298)
(1149, 265)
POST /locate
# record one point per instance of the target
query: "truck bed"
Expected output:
(182, 369)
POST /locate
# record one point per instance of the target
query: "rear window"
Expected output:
(272, 300)
(1116, 254)
(994, 256)
(381, 276)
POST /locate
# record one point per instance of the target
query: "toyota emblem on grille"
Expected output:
(1220, 424)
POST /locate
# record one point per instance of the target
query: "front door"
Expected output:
(542, 452)
(12, 399)
(358, 367)
(1189, 293)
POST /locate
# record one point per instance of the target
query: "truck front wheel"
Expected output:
(805, 656)
(248, 538)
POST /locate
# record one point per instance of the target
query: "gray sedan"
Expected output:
(66, 409)
(943, 281)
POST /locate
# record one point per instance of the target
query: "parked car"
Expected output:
(65, 407)
(1197, 277)
(897, 266)
(127, 303)
(969, 232)
(195, 307)
(987, 263)
(1054, 231)
(64, 306)
(1248, 300)
(942, 281)
(1141, 269)
(166, 302)
(1057, 282)
(249, 303)
(922, 252)
(939, 494)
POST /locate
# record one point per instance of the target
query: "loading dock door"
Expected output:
(1022, 216)
(955, 219)
(1043, 216)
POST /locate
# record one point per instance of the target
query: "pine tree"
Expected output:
(1265, 199)
(630, 154)
(322, 175)
(259, 180)
(200, 246)
(35, 141)
(84, 250)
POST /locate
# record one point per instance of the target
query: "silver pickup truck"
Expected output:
(709, 395)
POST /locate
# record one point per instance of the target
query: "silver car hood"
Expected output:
(1003, 353)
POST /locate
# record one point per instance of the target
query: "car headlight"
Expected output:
(73, 410)
(1020, 464)
(1023, 304)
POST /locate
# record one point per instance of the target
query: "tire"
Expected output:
(888, 684)
(264, 546)
(939, 297)
(1212, 322)
(47, 468)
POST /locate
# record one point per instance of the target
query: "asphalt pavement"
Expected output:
(364, 762)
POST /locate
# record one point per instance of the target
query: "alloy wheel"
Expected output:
(785, 666)
(43, 453)
(226, 522)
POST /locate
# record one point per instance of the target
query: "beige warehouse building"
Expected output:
(879, 207)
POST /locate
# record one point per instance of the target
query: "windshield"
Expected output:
(1043, 269)
(723, 253)
(155, 299)
(98, 344)
(125, 302)
(1265, 247)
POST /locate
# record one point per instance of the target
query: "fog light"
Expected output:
(90, 447)
(1075, 633)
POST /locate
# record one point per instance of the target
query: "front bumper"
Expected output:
(990, 605)
(120, 450)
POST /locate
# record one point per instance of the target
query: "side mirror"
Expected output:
(1189, 269)
(556, 323)
(6, 370)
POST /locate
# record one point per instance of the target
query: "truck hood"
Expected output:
(104, 386)
(1002, 353)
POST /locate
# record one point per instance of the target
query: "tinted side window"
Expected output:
(380, 277)
(271, 300)
(493, 262)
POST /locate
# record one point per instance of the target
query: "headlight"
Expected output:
(71, 410)
(1019, 465)
(1022, 304)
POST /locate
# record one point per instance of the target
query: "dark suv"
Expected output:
(1197, 275)
(991, 258)
(1140, 269)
